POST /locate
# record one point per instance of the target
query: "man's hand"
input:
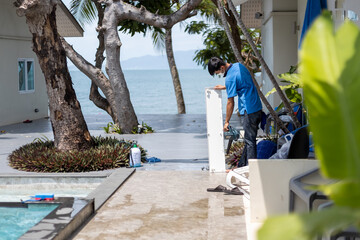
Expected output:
(226, 127)
(219, 87)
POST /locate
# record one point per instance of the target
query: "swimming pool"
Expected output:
(17, 189)
(15, 220)
(78, 195)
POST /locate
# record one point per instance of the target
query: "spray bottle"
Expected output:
(135, 156)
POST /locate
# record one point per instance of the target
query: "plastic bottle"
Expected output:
(135, 157)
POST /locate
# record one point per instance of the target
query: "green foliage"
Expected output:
(234, 155)
(116, 129)
(217, 44)
(107, 128)
(131, 27)
(43, 139)
(331, 83)
(41, 156)
(83, 10)
(143, 128)
(293, 82)
(308, 226)
(112, 128)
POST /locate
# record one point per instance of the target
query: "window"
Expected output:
(26, 75)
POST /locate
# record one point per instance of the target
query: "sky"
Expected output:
(135, 46)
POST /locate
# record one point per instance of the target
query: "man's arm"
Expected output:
(229, 112)
(219, 87)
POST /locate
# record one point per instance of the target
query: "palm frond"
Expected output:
(158, 37)
(84, 11)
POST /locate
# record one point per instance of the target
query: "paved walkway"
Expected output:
(166, 200)
(169, 205)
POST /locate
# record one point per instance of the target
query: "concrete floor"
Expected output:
(166, 200)
(169, 205)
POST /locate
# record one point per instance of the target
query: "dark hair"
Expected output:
(214, 65)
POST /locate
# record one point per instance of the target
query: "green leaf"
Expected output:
(293, 95)
(344, 193)
(291, 77)
(83, 10)
(281, 87)
(330, 73)
(307, 226)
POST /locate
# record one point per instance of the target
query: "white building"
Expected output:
(281, 25)
(22, 85)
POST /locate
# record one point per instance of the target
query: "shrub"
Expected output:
(42, 156)
(234, 155)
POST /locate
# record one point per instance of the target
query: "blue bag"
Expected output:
(265, 149)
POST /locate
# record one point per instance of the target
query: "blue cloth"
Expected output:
(313, 10)
(153, 159)
(239, 83)
(265, 149)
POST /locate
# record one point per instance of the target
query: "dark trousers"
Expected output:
(251, 126)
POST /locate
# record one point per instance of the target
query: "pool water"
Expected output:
(17, 189)
(15, 221)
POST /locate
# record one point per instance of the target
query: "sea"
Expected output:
(152, 91)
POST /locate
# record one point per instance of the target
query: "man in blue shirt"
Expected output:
(238, 82)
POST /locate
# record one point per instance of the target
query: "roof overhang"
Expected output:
(66, 23)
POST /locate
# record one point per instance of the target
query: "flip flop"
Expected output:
(234, 191)
(219, 188)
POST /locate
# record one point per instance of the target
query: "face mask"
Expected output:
(220, 75)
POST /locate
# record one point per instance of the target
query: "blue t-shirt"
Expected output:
(239, 83)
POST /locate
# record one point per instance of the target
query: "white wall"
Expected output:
(279, 40)
(15, 42)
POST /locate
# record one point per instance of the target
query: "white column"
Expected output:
(215, 135)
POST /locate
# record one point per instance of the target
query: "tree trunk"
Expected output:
(174, 72)
(239, 58)
(264, 65)
(95, 96)
(114, 87)
(233, 25)
(69, 127)
(112, 41)
(97, 77)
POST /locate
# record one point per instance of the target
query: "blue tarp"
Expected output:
(313, 9)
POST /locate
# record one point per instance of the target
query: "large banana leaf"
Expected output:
(331, 76)
(330, 73)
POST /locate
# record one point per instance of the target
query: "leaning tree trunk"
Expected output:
(95, 96)
(239, 58)
(233, 25)
(174, 72)
(125, 110)
(264, 65)
(69, 127)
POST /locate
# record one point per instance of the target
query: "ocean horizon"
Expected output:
(152, 91)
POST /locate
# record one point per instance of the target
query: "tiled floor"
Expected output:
(169, 205)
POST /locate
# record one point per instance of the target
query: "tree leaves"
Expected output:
(330, 75)
(83, 10)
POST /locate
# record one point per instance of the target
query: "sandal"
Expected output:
(234, 191)
(219, 188)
